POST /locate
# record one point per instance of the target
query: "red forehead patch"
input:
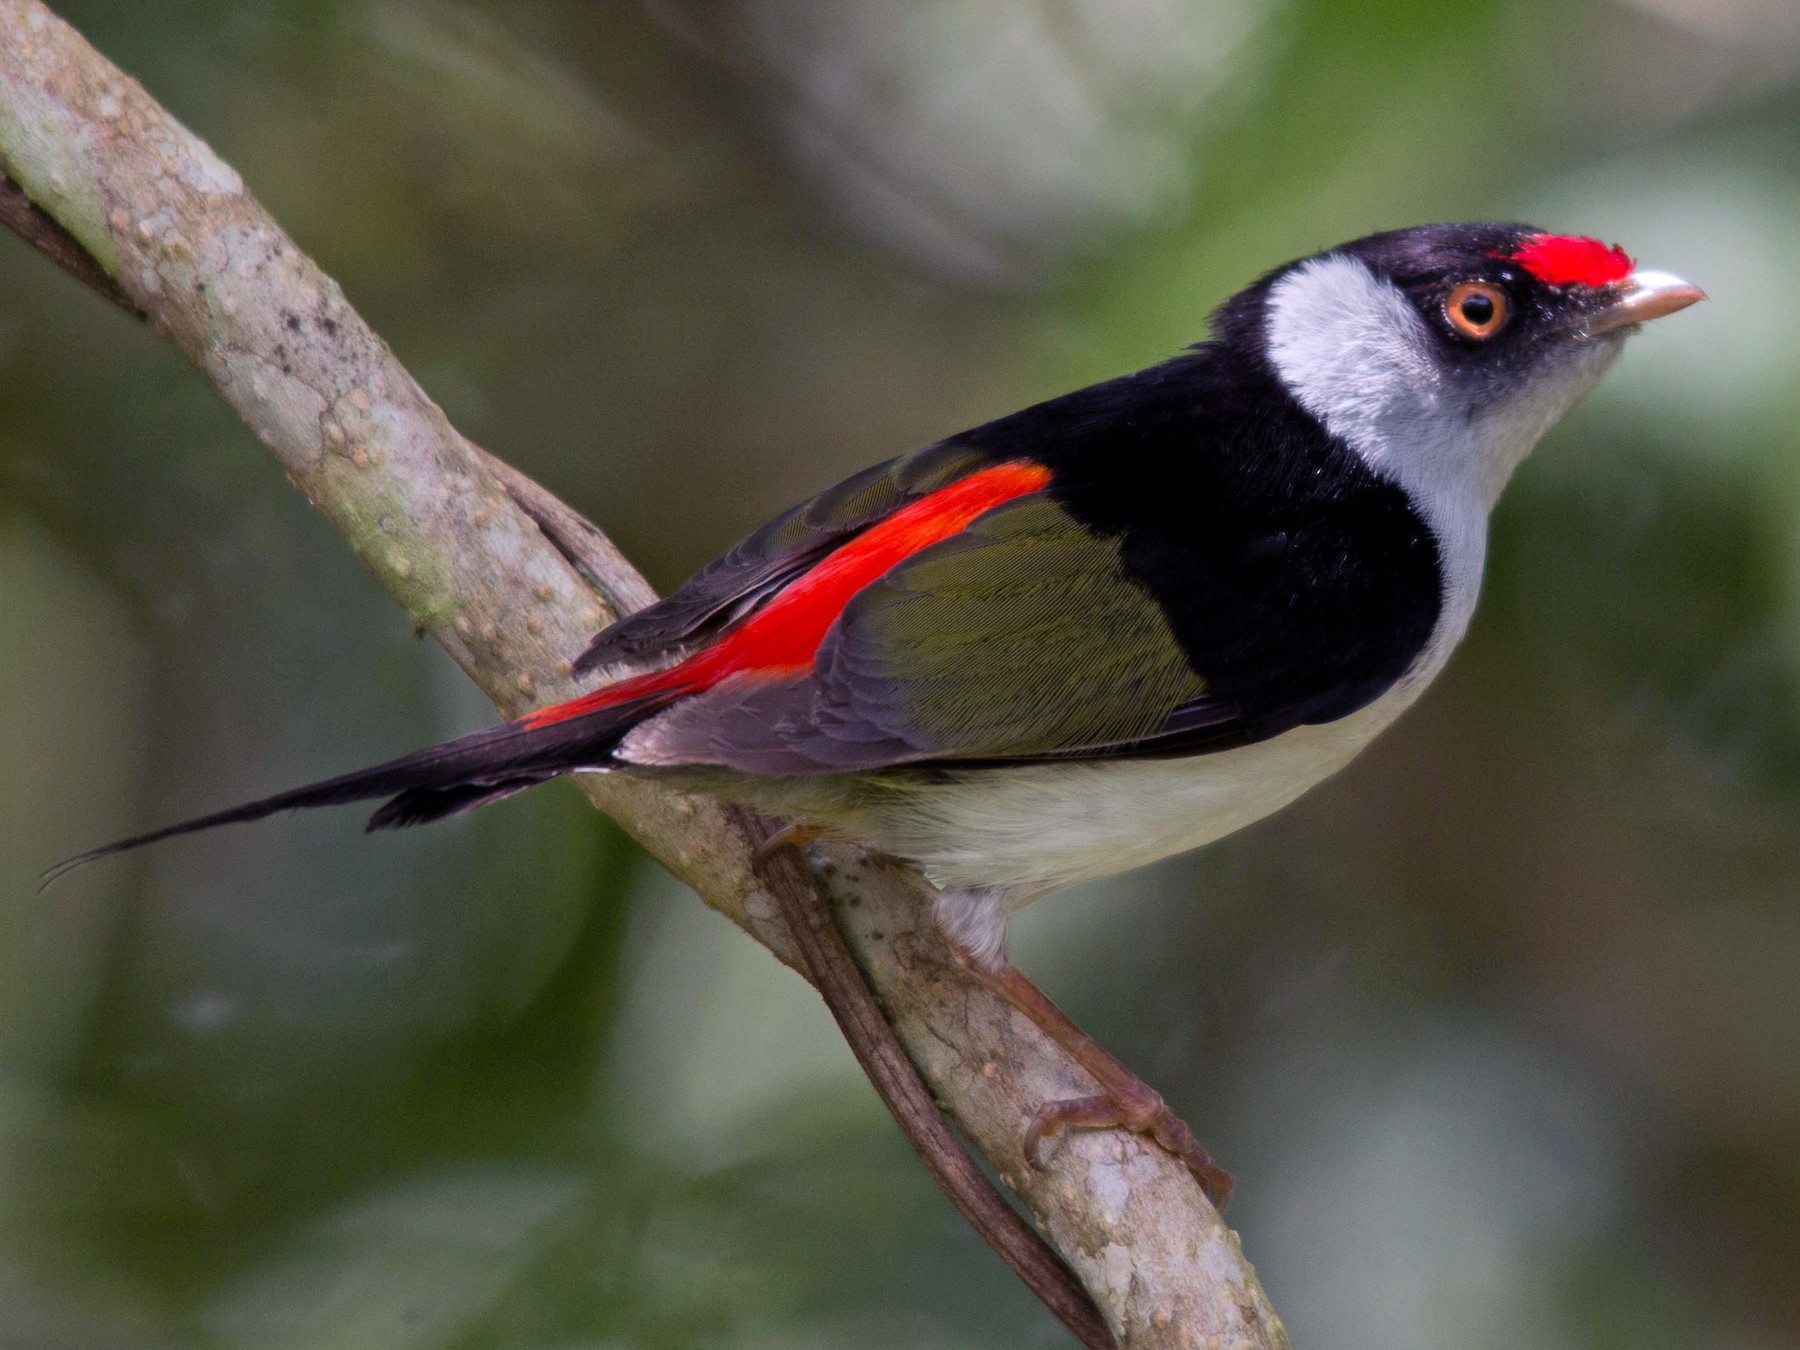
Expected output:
(1571, 260)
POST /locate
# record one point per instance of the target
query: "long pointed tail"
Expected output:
(431, 784)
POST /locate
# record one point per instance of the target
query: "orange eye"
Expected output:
(1476, 309)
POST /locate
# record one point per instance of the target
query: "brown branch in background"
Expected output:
(466, 546)
(840, 981)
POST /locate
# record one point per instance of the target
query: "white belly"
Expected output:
(1028, 830)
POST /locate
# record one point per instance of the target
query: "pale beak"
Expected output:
(1643, 296)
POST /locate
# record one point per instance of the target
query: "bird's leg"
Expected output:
(1124, 1100)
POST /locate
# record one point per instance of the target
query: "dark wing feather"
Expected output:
(738, 581)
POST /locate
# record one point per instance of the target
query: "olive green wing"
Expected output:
(1021, 637)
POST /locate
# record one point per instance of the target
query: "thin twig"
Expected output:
(846, 992)
(578, 539)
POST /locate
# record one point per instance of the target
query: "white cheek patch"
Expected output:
(1352, 351)
(1358, 356)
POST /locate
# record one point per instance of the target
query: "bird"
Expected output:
(1111, 627)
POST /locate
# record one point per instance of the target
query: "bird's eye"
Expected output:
(1476, 309)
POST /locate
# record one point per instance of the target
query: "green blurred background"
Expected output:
(1500, 1030)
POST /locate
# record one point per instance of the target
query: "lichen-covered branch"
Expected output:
(443, 528)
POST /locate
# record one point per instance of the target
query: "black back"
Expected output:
(1300, 584)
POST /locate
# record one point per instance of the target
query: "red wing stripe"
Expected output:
(784, 635)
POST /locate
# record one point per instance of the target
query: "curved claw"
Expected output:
(1147, 1115)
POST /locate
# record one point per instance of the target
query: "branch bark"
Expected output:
(512, 583)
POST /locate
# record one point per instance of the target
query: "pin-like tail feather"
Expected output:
(431, 784)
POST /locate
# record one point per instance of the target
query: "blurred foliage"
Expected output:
(1500, 1030)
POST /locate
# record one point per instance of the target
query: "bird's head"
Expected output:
(1442, 353)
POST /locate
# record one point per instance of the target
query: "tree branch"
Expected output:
(39, 229)
(512, 584)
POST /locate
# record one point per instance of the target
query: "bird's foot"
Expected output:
(1141, 1110)
(1124, 1101)
(792, 835)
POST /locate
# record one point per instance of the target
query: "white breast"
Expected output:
(1029, 830)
